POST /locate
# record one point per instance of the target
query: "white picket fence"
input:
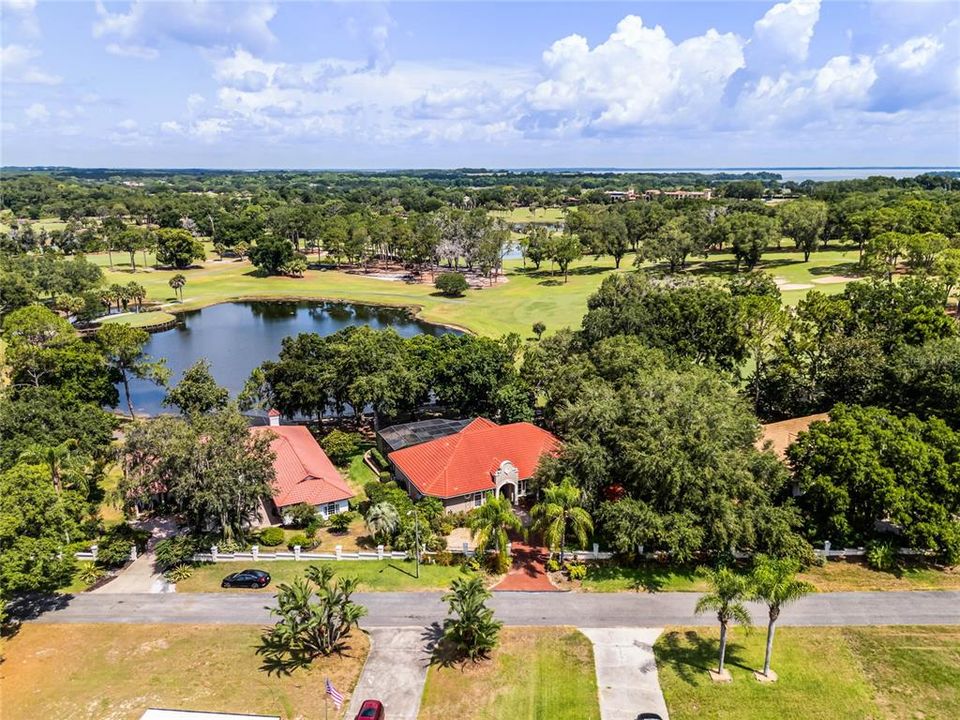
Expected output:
(255, 554)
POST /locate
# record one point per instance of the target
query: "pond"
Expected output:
(236, 337)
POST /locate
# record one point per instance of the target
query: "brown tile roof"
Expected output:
(465, 462)
(304, 473)
(782, 434)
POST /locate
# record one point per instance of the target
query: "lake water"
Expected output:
(236, 337)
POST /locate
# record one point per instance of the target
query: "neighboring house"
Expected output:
(304, 473)
(464, 468)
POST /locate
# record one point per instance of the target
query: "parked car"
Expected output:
(648, 716)
(247, 579)
(371, 710)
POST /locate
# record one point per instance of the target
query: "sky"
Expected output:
(461, 84)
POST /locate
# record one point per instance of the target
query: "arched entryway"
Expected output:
(506, 481)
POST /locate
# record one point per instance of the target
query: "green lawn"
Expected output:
(141, 319)
(527, 297)
(535, 673)
(545, 216)
(115, 672)
(837, 673)
(835, 576)
(374, 575)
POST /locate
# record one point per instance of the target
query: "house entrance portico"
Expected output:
(506, 481)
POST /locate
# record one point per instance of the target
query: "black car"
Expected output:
(247, 579)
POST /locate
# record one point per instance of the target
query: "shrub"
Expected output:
(311, 529)
(114, 547)
(341, 446)
(341, 521)
(229, 546)
(471, 565)
(305, 543)
(175, 551)
(378, 459)
(444, 558)
(880, 556)
(451, 284)
(301, 514)
(575, 571)
(553, 565)
(88, 573)
(271, 537)
(179, 573)
(435, 543)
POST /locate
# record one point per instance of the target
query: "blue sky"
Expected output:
(500, 84)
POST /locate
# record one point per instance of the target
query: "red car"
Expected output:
(371, 710)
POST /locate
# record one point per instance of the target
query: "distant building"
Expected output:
(304, 473)
(622, 195)
(464, 468)
(680, 194)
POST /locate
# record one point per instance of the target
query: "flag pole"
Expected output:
(325, 702)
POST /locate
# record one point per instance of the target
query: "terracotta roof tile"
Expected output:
(465, 462)
(304, 473)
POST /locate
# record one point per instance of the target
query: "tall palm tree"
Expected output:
(489, 525)
(56, 458)
(177, 282)
(137, 293)
(774, 582)
(726, 595)
(470, 627)
(382, 520)
(560, 512)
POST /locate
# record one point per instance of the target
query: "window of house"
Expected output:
(478, 499)
(331, 509)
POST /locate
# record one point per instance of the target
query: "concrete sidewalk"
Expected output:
(395, 671)
(626, 672)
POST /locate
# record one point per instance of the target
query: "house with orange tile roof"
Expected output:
(304, 473)
(483, 459)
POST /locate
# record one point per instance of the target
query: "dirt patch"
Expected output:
(795, 286)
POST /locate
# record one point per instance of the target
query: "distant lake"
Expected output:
(236, 337)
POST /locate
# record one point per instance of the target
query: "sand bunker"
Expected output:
(794, 286)
(831, 279)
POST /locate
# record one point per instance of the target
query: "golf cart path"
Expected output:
(627, 677)
(395, 672)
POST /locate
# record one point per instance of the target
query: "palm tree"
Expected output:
(177, 282)
(774, 582)
(726, 595)
(137, 293)
(471, 628)
(382, 520)
(56, 458)
(560, 512)
(489, 525)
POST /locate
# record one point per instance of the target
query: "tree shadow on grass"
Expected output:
(849, 269)
(442, 653)
(647, 578)
(691, 654)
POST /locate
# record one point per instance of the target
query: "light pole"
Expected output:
(416, 536)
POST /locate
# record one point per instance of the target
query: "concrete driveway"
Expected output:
(626, 672)
(395, 672)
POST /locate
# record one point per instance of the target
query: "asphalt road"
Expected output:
(557, 608)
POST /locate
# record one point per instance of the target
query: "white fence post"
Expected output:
(466, 548)
(826, 548)
(596, 551)
(94, 549)
(255, 551)
(133, 552)
(379, 552)
(339, 550)
(214, 552)
(509, 549)
(296, 552)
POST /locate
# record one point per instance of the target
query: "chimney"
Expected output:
(274, 417)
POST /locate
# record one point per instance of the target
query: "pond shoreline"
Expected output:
(413, 310)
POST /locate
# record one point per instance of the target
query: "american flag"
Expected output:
(334, 695)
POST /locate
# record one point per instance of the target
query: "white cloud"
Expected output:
(20, 15)
(134, 51)
(144, 26)
(638, 76)
(16, 67)
(785, 31)
(915, 54)
(37, 112)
